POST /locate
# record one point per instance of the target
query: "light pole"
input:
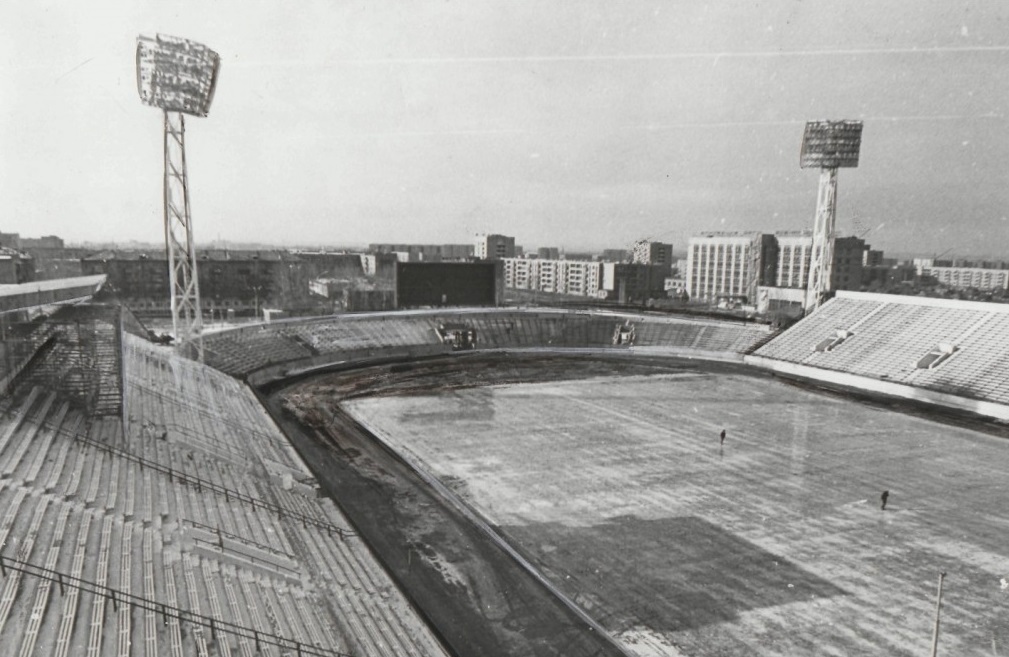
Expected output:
(256, 289)
(178, 77)
(938, 607)
(827, 145)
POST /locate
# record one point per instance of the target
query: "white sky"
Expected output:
(582, 123)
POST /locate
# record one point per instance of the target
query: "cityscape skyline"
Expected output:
(583, 127)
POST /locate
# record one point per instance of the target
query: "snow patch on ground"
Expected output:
(647, 643)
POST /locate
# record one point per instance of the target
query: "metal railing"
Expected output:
(118, 597)
(228, 494)
(222, 534)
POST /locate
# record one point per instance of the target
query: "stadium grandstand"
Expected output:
(292, 344)
(23, 311)
(153, 505)
(947, 352)
(172, 519)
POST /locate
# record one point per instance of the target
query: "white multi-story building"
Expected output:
(580, 277)
(519, 273)
(794, 251)
(729, 264)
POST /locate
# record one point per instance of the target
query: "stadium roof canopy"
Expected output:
(24, 296)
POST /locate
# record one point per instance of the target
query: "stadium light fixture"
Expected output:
(179, 77)
(176, 75)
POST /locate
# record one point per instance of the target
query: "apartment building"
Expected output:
(963, 277)
(578, 277)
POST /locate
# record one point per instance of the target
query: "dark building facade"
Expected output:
(44, 242)
(420, 284)
(548, 253)
(616, 255)
(634, 282)
(15, 267)
(426, 252)
(10, 240)
(242, 282)
(849, 256)
(59, 262)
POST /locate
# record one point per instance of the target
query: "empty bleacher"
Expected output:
(196, 407)
(240, 352)
(886, 337)
(180, 535)
(79, 357)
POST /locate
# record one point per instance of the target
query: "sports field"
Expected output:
(775, 544)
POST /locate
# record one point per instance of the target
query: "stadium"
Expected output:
(504, 481)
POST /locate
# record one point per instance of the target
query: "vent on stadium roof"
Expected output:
(936, 356)
(828, 344)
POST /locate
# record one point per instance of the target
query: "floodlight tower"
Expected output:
(178, 76)
(827, 145)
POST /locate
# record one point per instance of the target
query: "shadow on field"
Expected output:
(686, 572)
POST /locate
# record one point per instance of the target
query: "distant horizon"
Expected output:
(678, 251)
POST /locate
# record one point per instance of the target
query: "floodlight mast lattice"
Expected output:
(178, 76)
(828, 145)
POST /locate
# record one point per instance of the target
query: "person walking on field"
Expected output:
(883, 498)
(722, 440)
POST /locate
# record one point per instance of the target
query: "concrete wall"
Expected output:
(889, 388)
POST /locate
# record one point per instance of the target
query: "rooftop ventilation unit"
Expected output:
(829, 344)
(936, 356)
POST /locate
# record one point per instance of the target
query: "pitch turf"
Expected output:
(775, 544)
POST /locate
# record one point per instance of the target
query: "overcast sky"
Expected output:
(581, 124)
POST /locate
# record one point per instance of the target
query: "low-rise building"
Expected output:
(44, 242)
(230, 280)
(981, 278)
(425, 252)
